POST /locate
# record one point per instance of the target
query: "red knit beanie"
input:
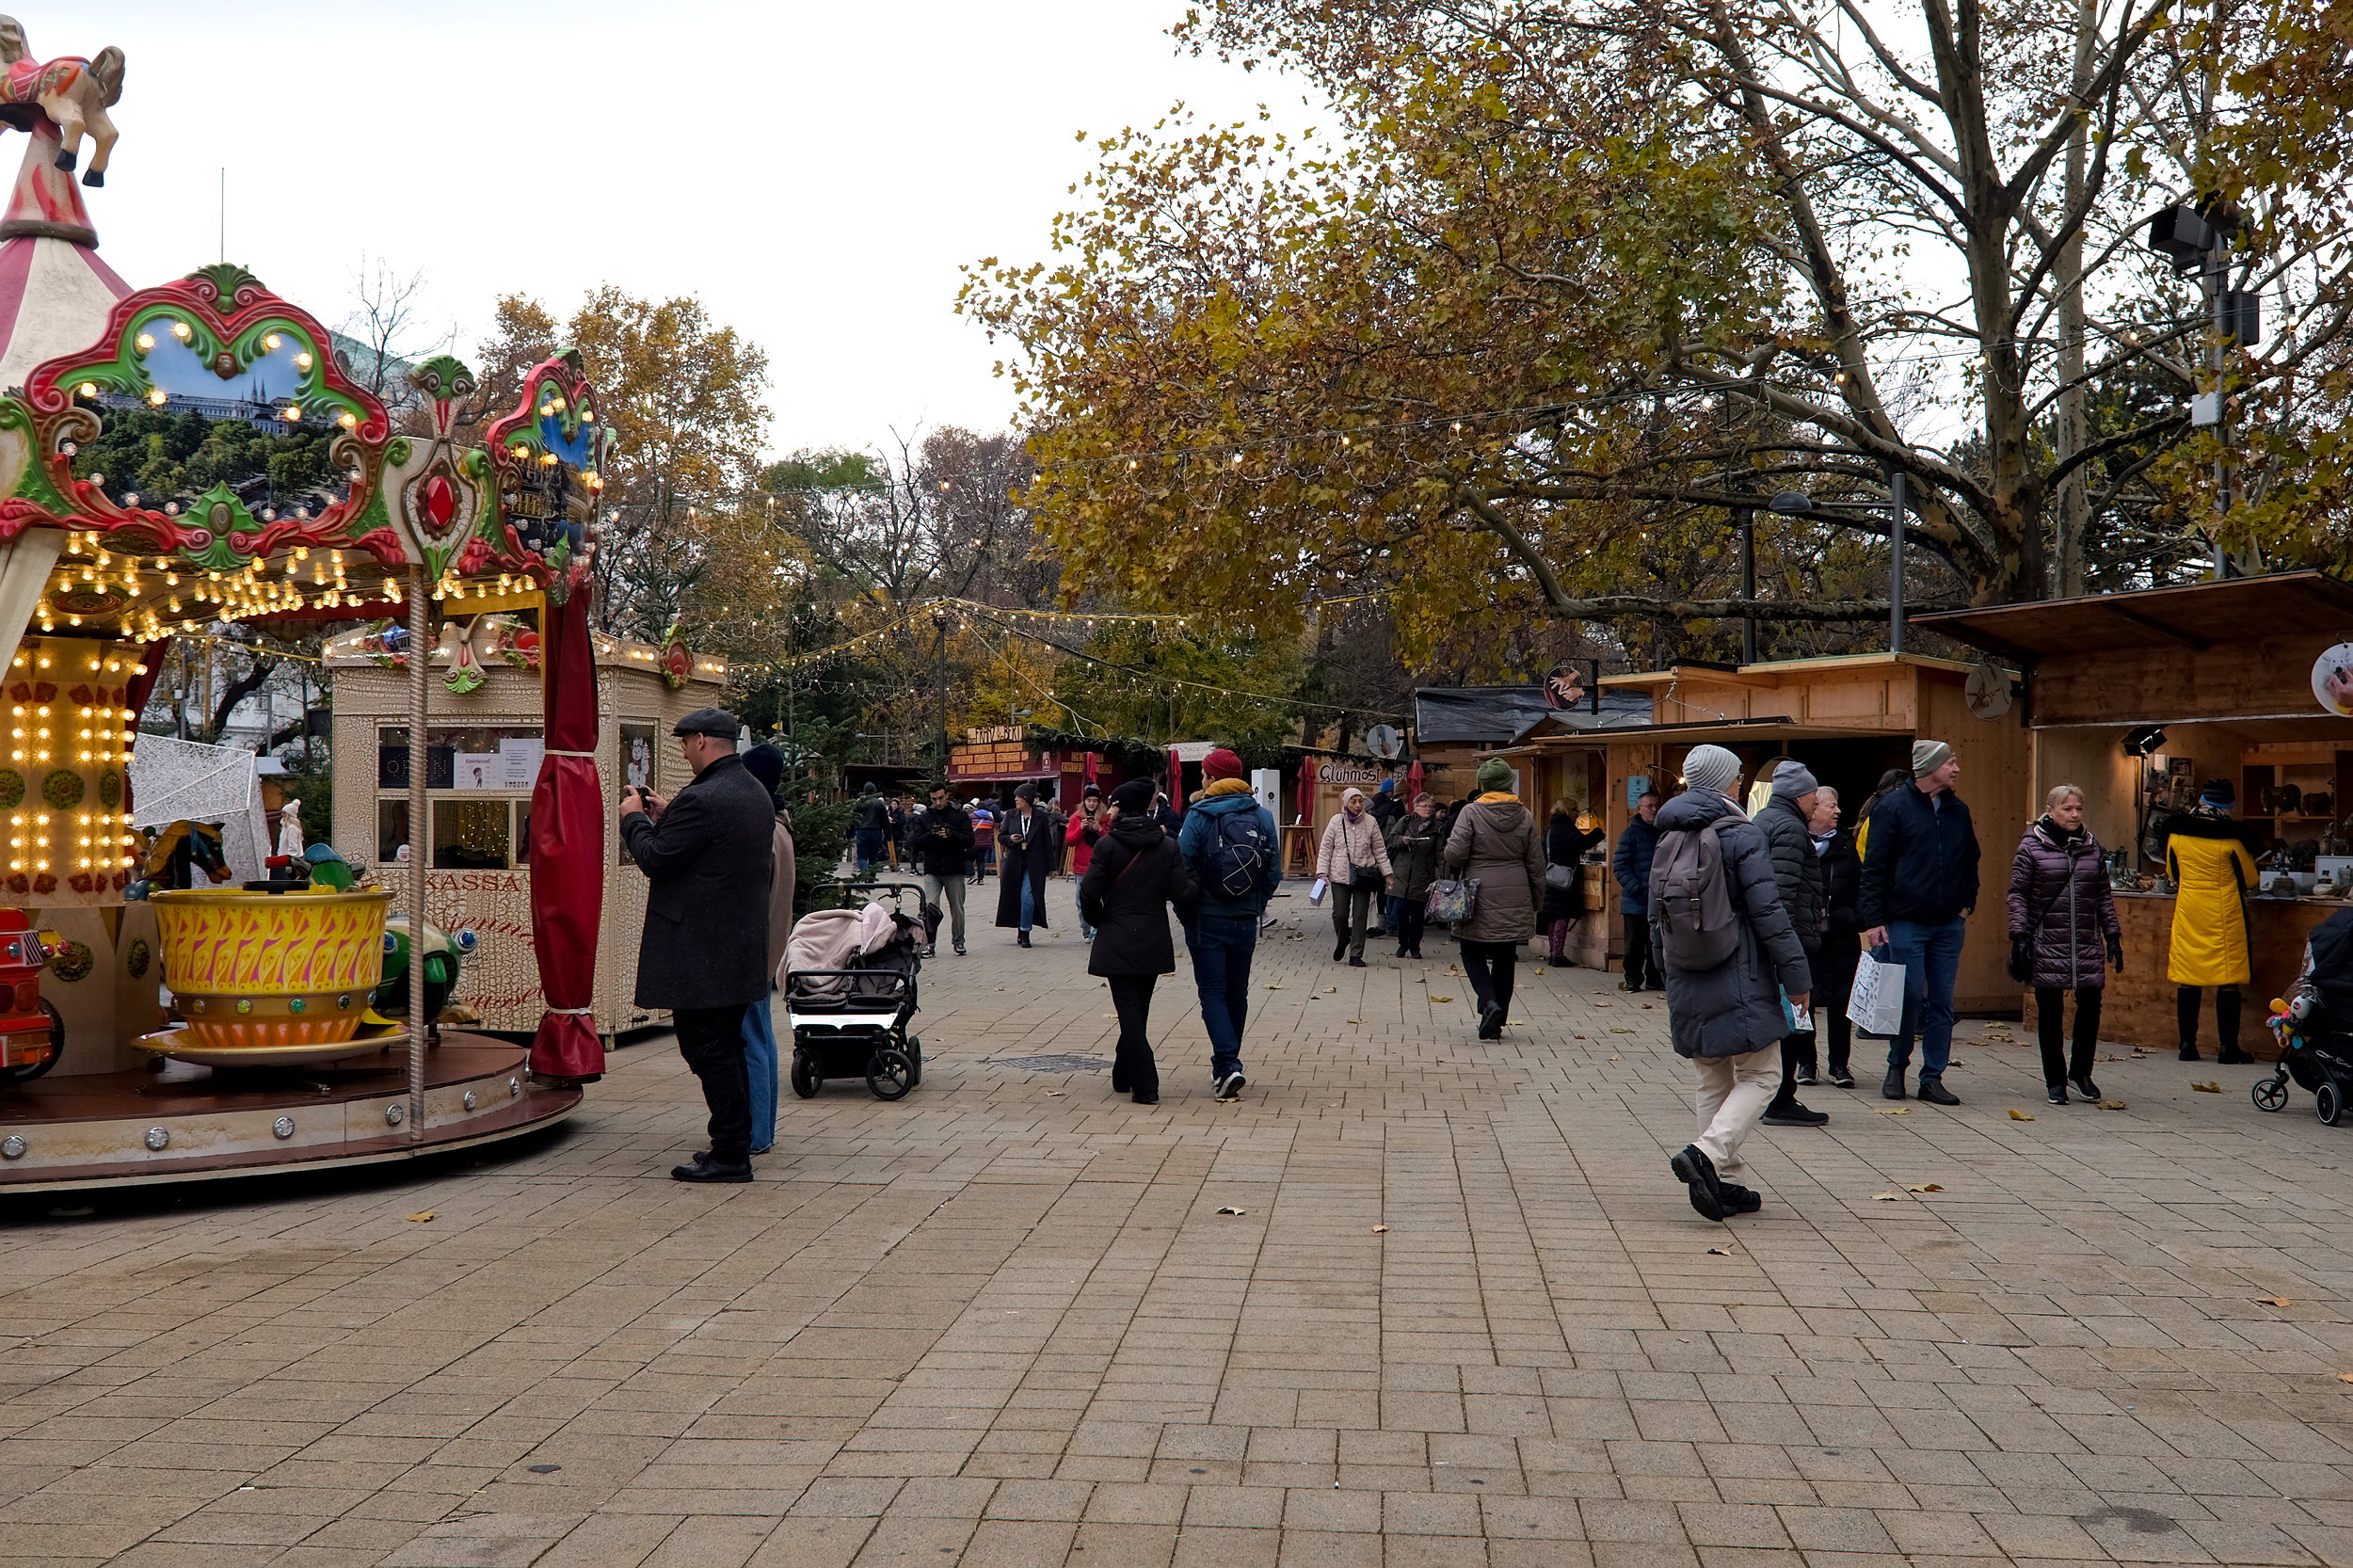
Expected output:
(1221, 763)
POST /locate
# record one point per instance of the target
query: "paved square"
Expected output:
(1464, 1316)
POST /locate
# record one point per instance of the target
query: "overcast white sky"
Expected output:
(814, 173)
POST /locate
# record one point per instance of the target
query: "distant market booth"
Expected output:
(175, 1010)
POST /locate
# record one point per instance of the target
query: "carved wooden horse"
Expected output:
(73, 92)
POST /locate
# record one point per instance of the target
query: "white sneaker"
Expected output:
(1230, 1086)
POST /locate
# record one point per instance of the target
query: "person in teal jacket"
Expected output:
(1229, 841)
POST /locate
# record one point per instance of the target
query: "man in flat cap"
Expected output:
(708, 854)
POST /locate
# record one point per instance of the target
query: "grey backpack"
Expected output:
(1691, 898)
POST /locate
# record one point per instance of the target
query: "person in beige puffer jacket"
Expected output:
(1355, 861)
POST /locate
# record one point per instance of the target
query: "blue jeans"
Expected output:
(1086, 931)
(1221, 946)
(870, 847)
(1028, 902)
(1930, 955)
(760, 1066)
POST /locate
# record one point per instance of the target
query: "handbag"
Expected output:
(1360, 876)
(1875, 1005)
(1450, 901)
(1562, 877)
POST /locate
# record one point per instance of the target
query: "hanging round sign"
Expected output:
(1564, 687)
(2332, 679)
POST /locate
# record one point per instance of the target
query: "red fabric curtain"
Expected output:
(1175, 781)
(568, 847)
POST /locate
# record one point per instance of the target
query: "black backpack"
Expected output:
(1238, 854)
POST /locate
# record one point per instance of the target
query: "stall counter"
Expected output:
(2138, 1008)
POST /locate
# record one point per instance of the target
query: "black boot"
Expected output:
(1340, 950)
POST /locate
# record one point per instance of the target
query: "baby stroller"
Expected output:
(856, 893)
(849, 994)
(2319, 1059)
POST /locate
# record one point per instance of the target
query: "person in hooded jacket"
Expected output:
(2063, 936)
(2210, 856)
(1136, 875)
(1565, 844)
(1630, 864)
(1728, 1020)
(1223, 936)
(1495, 843)
(1787, 821)
(1355, 863)
(1414, 842)
(1025, 849)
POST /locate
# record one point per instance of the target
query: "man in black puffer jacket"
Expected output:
(1798, 872)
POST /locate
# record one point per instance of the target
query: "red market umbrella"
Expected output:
(568, 847)
(1175, 781)
(1089, 777)
(1413, 782)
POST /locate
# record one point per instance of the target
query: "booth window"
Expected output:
(473, 835)
(391, 829)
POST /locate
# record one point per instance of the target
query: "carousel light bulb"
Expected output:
(180, 331)
(303, 361)
(349, 421)
(146, 341)
(556, 402)
(156, 397)
(271, 342)
(292, 414)
(89, 388)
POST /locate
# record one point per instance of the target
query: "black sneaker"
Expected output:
(2231, 1056)
(2190, 1052)
(1936, 1093)
(1805, 1079)
(1737, 1199)
(1231, 1085)
(960, 949)
(2085, 1087)
(1698, 1173)
(1340, 950)
(1894, 1088)
(1119, 1079)
(1491, 1022)
(1357, 964)
(1022, 937)
(1842, 1081)
(711, 1173)
(2056, 1094)
(1793, 1115)
(1145, 1096)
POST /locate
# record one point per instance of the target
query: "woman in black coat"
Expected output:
(1135, 876)
(1835, 960)
(1026, 842)
(1564, 845)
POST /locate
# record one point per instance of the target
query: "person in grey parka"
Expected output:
(1729, 1019)
(1804, 893)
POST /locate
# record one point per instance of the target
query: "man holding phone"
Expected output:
(708, 854)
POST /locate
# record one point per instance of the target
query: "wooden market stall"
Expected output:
(1849, 718)
(2141, 696)
(483, 747)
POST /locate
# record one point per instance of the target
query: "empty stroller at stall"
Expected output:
(849, 996)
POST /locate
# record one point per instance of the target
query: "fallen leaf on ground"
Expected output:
(1276, 987)
(1615, 1030)
(2111, 1105)
(2275, 1301)
(1233, 1211)
(1719, 1252)
(1894, 1109)
(1329, 990)
(2345, 1377)
(1926, 1187)
(1056, 1094)
(421, 1219)
(1378, 1229)
(2017, 1116)
(1355, 1021)
(1441, 999)
(2214, 1088)
(1889, 1197)
(1111, 1015)
(1612, 1058)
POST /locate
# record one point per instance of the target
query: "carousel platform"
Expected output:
(179, 1123)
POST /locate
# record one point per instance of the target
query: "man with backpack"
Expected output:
(1728, 952)
(1229, 842)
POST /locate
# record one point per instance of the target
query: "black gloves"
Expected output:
(2116, 954)
(2022, 959)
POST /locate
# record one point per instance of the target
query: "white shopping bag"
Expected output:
(1875, 1005)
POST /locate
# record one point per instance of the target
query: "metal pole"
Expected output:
(2217, 274)
(419, 841)
(1899, 493)
(1746, 518)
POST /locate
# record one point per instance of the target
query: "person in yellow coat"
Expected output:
(2209, 856)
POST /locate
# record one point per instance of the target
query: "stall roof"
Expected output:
(1773, 728)
(1493, 715)
(2194, 616)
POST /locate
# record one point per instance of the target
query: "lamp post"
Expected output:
(1798, 503)
(2186, 236)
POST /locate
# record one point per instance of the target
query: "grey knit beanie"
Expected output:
(1792, 777)
(1711, 768)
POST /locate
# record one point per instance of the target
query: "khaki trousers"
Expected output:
(1731, 1093)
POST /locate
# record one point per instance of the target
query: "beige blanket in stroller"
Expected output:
(830, 940)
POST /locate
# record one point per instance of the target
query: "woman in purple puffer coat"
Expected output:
(2063, 936)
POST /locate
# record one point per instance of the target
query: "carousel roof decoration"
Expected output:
(53, 290)
(547, 461)
(215, 331)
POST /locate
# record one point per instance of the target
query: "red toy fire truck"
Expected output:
(32, 1036)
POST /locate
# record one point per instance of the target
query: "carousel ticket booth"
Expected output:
(483, 743)
(1849, 719)
(172, 1011)
(2140, 698)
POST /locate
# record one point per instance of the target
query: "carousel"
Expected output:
(163, 1017)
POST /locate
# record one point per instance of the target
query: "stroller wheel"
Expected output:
(805, 1080)
(890, 1074)
(2329, 1101)
(2271, 1094)
(914, 1060)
